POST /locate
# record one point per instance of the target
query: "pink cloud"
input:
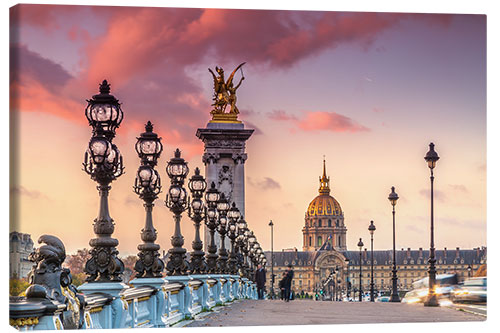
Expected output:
(146, 53)
(329, 121)
(319, 121)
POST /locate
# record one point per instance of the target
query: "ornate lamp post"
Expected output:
(469, 271)
(242, 246)
(177, 201)
(197, 185)
(252, 241)
(431, 158)
(360, 245)
(222, 208)
(103, 162)
(212, 197)
(271, 224)
(393, 198)
(148, 186)
(347, 280)
(371, 228)
(234, 215)
(339, 296)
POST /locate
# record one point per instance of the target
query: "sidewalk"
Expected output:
(306, 312)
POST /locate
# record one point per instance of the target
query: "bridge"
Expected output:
(144, 303)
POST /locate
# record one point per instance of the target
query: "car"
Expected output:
(383, 299)
(472, 290)
(415, 296)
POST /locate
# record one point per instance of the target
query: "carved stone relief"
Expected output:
(225, 181)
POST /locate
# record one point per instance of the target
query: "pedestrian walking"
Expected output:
(281, 285)
(288, 283)
(260, 280)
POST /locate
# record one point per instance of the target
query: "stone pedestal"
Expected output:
(224, 160)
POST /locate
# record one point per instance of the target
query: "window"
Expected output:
(320, 241)
(329, 223)
(337, 223)
(339, 243)
(319, 223)
(310, 241)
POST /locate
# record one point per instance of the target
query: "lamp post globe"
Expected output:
(360, 246)
(393, 199)
(371, 229)
(149, 146)
(431, 158)
(103, 111)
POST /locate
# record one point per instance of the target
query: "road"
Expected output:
(308, 312)
(478, 309)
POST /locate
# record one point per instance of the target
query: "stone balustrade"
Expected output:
(146, 302)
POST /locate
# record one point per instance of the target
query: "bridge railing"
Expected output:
(148, 302)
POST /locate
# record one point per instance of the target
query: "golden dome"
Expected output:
(324, 203)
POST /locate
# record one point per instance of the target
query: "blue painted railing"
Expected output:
(146, 302)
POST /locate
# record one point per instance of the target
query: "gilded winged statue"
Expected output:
(225, 91)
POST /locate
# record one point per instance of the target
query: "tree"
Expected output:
(17, 286)
(76, 262)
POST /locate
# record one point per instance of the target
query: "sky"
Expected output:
(369, 91)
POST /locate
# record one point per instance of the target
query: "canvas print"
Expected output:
(197, 167)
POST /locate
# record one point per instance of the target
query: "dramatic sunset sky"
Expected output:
(369, 91)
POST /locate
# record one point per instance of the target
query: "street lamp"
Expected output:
(431, 158)
(240, 242)
(212, 197)
(148, 186)
(469, 271)
(234, 215)
(104, 163)
(222, 208)
(393, 198)
(347, 282)
(360, 245)
(271, 224)
(197, 212)
(371, 228)
(177, 201)
(103, 111)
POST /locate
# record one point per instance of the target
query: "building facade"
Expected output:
(325, 251)
(20, 247)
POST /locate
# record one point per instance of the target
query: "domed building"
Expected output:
(325, 254)
(324, 220)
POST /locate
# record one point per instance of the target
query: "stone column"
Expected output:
(224, 160)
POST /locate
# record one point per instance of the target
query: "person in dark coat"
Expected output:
(281, 286)
(260, 280)
(288, 282)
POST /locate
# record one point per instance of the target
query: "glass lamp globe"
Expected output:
(177, 168)
(212, 196)
(104, 111)
(99, 148)
(148, 145)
